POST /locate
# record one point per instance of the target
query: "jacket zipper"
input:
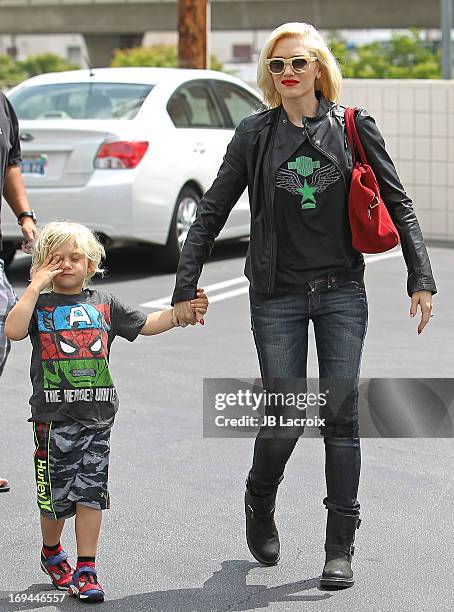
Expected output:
(271, 192)
(346, 144)
(327, 155)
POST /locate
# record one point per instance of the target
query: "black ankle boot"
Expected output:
(340, 535)
(261, 532)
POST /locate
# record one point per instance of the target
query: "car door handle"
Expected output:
(199, 147)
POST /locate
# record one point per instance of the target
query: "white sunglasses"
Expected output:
(276, 65)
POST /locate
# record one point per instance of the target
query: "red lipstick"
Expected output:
(289, 82)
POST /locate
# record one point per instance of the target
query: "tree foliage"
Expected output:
(155, 56)
(10, 72)
(13, 72)
(404, 56)
(45, 62)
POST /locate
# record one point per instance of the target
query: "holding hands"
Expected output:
(191, 312)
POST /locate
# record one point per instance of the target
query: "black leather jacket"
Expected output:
(248, 162)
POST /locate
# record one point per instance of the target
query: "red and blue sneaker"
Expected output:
(85, 585)
(58, 568)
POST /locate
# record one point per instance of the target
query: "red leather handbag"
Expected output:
(372, 228)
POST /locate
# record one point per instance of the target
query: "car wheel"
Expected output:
(183, 217)
(8, 252)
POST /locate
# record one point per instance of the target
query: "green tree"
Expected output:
(404, 56)
(45, 62)
(339, 49)
(161, 56)
(10, 73)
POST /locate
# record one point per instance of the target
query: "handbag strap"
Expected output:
(352, 134)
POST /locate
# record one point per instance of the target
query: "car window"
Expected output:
(193, 105)
(239, 102)
(80, 100)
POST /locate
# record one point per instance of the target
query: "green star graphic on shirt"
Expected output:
(307, 192)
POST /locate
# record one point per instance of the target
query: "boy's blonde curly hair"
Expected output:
(55, 234)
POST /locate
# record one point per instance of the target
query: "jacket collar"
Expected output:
(324, 109)
(288, 137)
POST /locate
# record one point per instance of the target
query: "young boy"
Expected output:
(74, 401)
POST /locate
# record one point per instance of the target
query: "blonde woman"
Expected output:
(295, 160)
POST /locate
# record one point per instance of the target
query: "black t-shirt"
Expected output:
(71, 337)
(10, 152)
(311, 218)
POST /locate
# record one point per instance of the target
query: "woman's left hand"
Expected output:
(200, 305)
(424, 299)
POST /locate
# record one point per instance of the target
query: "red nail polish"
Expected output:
(202, 322)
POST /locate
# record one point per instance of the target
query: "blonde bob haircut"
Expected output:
(57, 233)
(330, 81)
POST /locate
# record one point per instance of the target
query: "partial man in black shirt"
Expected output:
(13, 189)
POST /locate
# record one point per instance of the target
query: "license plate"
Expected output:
(34, 165)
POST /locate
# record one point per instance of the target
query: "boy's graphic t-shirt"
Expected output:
(311, 217)
(71, 337)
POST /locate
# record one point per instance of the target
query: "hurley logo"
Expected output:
(42, 486)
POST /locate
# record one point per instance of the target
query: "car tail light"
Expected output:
(120, 154)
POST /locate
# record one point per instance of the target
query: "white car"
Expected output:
(127, 151)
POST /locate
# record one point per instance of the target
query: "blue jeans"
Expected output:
(339, 312)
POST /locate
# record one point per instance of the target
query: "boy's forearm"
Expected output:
(158, 322)
(18, 320)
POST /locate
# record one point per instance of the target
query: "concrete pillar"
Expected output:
(101, 46)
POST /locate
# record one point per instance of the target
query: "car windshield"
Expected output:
(80, 100)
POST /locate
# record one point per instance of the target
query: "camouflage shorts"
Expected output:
(71, 466)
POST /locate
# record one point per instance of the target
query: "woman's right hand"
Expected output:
(42, 278)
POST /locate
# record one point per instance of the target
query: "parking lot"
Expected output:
(173, 539)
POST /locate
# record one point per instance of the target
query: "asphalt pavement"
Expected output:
(173, 539)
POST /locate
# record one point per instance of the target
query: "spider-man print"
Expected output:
(81, 344)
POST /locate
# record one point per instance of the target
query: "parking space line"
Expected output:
(229, 294)
(227, 283)
(382, 256)
(164, 302)
(158, 304)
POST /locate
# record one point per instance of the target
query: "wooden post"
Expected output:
(192, 33)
